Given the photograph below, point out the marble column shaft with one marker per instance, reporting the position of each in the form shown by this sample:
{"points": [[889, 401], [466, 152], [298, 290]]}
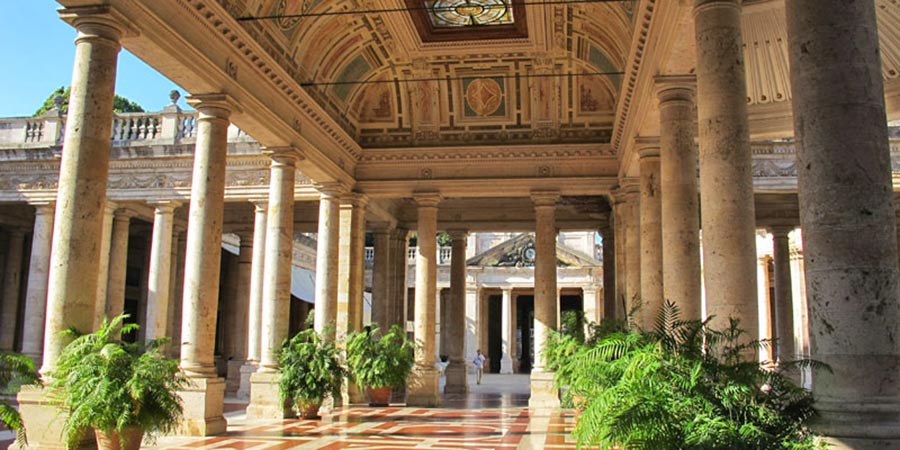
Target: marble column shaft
{"points": [[632, 253], [36, 288], [81, 194], [158, 286], [254, 315], [651, 235], [506, 332], [545, 295], [399, 276], [619, 234], [680, 201], [276, 304], [423, 386], [12, 283], [328, 238], [726, 188], [609, 271], [848, 220], [381, 277], [457, 381], [351, 268], [784, 301], [103, 281], [118, 263]]}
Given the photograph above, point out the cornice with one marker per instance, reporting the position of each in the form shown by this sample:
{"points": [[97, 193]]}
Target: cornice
{"points": [[518, 153]]}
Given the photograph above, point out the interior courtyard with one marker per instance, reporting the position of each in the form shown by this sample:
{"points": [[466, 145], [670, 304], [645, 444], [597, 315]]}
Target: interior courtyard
{"points": [[469, 170]]}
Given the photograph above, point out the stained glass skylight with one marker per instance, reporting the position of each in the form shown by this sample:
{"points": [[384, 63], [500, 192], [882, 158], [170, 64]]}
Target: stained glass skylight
{"points": [[462, 13]]}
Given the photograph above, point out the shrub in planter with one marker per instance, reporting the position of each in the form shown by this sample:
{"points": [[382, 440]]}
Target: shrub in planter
{"points": [[380, 362], [121, 390], [684, 386], [16, 370], [310, 370]]}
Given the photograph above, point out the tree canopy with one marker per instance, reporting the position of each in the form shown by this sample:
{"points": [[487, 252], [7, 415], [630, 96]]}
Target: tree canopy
{"points": [[120, 104]]}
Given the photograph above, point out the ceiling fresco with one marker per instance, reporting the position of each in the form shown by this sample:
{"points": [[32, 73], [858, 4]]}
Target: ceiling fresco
{"points": [[367, 64]]}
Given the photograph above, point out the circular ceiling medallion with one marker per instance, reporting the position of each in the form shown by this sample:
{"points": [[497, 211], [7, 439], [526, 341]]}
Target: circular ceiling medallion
{"points": [[484, 96]]}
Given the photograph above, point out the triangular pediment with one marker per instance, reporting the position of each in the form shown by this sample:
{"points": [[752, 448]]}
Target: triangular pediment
{"points": [[519, 252]]}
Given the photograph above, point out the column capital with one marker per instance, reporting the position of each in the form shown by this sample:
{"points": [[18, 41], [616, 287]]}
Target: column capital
{"points": [[705, 5], [213, 106], [427, 199], [43, 208], [647, 147], [286, 156], [260, 205], [458, 233], [544, 198], [163, 206], [331, 189], [97, 22], [780, 230], [675, 88], [355, 200], [629, 187]]}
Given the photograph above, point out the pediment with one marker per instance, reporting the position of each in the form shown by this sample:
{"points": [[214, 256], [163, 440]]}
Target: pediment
{"points": [[519, 252]]}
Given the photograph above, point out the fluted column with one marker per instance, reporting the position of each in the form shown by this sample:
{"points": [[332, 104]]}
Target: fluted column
{"points": [[784, 302], [118, 263], [255, 298], [103, 281], [423, 385], [351, 266], [726, 190], [506, 331], [651, 232], [204, 401], [36, 288], [609, 270], [12, 283], [457, 381], [631, 192], [381, 277], [848, 220], [158, 289], [680, 201], [543, 393], [327, 256], [276, 305]]}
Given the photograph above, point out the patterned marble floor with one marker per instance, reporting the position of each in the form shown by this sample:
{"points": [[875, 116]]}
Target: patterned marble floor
{"points": [[493, 416]]}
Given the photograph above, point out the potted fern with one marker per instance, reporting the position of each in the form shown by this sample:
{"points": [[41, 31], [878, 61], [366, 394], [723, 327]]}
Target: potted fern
{"points": [[380, 362], [121, 390], [310, 370], [15, 370]]}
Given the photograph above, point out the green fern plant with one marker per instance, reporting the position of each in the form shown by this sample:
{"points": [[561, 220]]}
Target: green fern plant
{"points": [[377, 360], [111, 385], [683, 385], [16, 370], [311, 368]]}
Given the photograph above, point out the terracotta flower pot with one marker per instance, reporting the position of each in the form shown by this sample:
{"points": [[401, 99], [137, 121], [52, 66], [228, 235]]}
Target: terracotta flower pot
{"points": [[309, 409], [113, 440], [380, 396]]}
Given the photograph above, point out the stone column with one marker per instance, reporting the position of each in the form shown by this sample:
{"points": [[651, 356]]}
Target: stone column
{"points": [[36, 288], [457, 381], [12, 282], [609, 270], [265, 403], [651, 232], [543, 393], [400, 268], [351, 266], [158, 298], [726, 191], [849, 226], [118, 263], [103, 277], [254, 313], [680, 204], [423, 383], [764, 308], [591, 307], [327, 257], [381, 278], [618, 202], [506, 331], [784, 302], [178, 295], [240, 313], [632, 228], [472, 317], [203, 401]]}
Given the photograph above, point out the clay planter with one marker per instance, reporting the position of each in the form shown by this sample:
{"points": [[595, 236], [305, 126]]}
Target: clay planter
{"points": [[309, 410], [380, 396], [113, 440]]}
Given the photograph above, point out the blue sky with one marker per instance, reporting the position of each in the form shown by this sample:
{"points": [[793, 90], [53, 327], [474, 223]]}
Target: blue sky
{"points": [[37, 51]]}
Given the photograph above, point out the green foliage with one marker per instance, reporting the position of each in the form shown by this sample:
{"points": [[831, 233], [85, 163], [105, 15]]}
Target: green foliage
{"points": [[107, 384], [681, 386], [120, 104], [380, 360], [15, 370], [310, 368]]}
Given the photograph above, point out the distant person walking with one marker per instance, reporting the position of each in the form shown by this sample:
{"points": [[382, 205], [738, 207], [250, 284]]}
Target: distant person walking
{"points": [[478, 361]]}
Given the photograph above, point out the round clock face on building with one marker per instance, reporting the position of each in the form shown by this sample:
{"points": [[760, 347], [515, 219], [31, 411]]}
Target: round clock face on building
{"points": [[529, 254]]}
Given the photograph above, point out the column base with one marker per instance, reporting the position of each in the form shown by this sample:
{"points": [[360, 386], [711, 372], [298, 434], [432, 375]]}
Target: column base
{"points": [[858, 426], [233, 376], [422, 389], [356, 394], [204, 401], [44, 421], [457, 378], [265, 400], [248, 369], [506, 365], [544, 393]]}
